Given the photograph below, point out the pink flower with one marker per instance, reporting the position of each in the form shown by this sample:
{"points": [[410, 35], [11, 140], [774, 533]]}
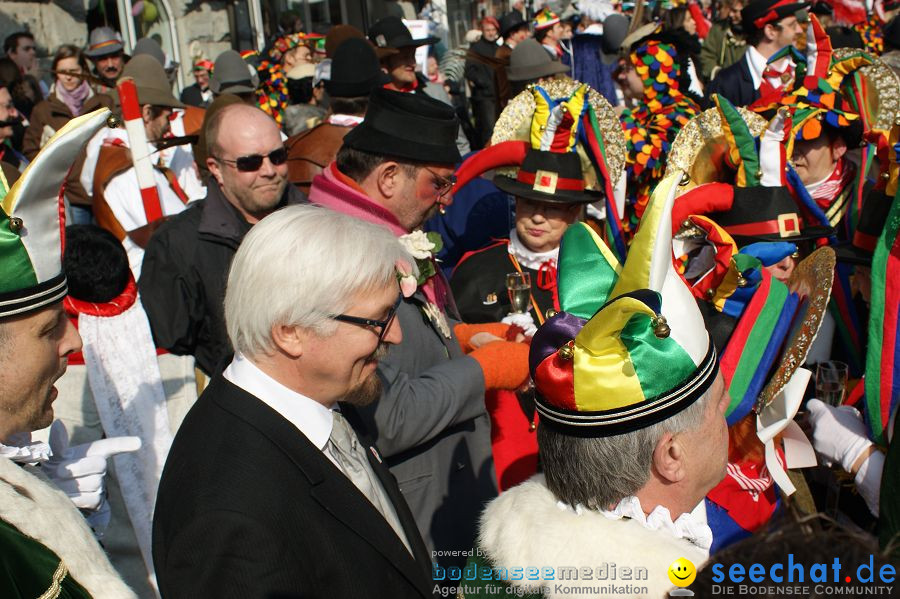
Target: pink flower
{"points": [[407, 281]]}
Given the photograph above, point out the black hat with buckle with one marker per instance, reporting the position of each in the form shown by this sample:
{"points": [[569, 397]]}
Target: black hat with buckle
{"points": [[749, 214], [553, 177]]}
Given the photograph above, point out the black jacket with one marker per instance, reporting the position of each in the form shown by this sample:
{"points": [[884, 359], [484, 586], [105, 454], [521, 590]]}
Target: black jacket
{"points": [[248, 507], [735, 83], [183, 277], [192, 95]]}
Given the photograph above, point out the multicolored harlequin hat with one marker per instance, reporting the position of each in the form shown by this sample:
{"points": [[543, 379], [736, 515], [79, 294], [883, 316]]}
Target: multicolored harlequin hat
{"points": [[545, 18], [629, 348], [32, 222], [549, 167], [750, 315]]}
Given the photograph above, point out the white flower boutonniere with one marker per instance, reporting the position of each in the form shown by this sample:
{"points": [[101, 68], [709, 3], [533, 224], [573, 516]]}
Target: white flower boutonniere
{"points": [[423, 246]]}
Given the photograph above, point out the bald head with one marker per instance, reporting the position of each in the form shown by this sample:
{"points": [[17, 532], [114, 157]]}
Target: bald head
{"points": [[241, 131]]}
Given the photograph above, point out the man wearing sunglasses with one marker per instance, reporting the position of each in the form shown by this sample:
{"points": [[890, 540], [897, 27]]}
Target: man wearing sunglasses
{"points": [[182, 282], [396, 169], [267, 490]]}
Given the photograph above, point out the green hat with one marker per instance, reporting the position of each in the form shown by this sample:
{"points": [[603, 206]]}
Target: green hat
{"points": [[31, 222]]}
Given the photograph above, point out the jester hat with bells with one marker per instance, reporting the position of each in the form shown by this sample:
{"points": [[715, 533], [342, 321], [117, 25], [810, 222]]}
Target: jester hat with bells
{"points": [[629, 348], [564, 142], [759, 205], [32, 222]]}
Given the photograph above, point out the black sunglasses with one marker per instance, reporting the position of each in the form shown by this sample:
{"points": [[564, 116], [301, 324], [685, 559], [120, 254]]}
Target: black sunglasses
{"points": [[252, 163], [383, 325]]}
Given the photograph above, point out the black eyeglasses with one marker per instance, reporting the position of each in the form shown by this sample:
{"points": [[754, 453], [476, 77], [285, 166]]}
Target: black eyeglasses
{"points": [[252, 163], [441, 184], [382, 325]]}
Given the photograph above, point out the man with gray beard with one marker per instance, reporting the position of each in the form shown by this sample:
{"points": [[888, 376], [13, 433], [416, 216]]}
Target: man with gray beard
{"points": [[182, 281], [267, 490]]}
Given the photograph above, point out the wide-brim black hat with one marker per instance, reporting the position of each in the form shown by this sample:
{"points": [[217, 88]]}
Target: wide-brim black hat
{"points": [[355, 71], [390, 32], [758, 13], [410, 126], [766, 214], [552, 177], [511, 21]]}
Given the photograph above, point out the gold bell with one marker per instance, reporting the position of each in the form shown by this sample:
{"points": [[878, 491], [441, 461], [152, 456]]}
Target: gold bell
{"points": [[686, 224], [685, 179], [550, 313], [710, 293], [796, 255], [567, 351], [112, 121], [741, 281], [532, 426], [15, 224], [660, 326], [758, 174], [885, 175]]}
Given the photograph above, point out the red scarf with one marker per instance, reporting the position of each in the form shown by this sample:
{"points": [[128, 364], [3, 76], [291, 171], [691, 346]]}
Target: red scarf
{"points": [[825, 193]]}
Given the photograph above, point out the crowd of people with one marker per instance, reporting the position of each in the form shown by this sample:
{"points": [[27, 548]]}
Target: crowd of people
{"points": [[615, 283]]}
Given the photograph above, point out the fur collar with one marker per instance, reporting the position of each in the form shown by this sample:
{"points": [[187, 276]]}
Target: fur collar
{"points": [[47, 515], [527, 526]]}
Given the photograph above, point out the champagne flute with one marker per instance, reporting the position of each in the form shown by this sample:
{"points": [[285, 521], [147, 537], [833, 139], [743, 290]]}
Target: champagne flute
{"points": [[518, 286], [831, 382]]}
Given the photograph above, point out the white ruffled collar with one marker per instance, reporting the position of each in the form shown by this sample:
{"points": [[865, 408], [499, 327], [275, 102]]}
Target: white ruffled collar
{"points": [[525, 257], [685, 527], [23, 451]]}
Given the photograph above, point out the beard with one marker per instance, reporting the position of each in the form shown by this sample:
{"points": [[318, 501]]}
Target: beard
{"points": [[370, 388]]}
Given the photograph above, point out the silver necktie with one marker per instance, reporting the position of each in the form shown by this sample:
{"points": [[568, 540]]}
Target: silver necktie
{"points": [[346, 450]]}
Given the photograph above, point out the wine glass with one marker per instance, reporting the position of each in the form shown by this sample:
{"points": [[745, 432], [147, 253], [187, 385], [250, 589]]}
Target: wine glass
{"points": [[831, 382], [518, 286]]}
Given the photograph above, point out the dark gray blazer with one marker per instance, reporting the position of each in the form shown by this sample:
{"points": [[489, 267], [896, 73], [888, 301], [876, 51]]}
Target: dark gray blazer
{"points": [[432, 426]]}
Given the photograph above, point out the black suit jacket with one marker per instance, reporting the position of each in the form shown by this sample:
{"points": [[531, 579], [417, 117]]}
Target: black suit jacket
{"points": [[735, 83], [248, 507]]}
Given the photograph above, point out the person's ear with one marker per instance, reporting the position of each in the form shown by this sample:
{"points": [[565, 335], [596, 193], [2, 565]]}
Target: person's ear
{"points": [[669, 458], [770, 32], [147, 113], [387, 178], [215, 169], [838, 149], [289, 339]]}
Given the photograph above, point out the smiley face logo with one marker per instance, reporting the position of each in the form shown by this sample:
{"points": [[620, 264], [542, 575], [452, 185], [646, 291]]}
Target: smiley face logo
{"points": [[682, 572]]}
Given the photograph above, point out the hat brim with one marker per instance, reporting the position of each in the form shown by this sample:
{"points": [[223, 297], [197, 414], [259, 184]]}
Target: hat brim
{"points": [[521, 190], [850, 254], [526, 72], [355, 89], [230, 88], [105, 51], [382, 144]]}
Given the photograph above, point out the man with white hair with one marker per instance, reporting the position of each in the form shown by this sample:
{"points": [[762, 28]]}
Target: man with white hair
{"points": [[632, 432], [267, 491]]}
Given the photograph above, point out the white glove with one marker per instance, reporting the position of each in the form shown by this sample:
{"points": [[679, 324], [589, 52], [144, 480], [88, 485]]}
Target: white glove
{"points": [[839, 434], [79, 470], [524, 320]]}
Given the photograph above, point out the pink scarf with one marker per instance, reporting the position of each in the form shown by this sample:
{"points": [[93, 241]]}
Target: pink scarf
{"points": [[74, 99]]}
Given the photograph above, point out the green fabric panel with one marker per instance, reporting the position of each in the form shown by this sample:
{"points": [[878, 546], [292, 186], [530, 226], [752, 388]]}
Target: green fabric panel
{"points": [[586, 277], [743, 139], [27, 568], [660, 364], [16, 271], [756, 343]]}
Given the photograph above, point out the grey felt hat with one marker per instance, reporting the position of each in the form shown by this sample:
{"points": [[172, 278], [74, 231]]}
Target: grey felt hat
{"points": [[529, 60], [232, 75], [103, 41]]}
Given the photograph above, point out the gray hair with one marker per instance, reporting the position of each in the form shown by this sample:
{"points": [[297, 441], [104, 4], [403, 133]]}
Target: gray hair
{"points": [[301, 265], [598, 472]]}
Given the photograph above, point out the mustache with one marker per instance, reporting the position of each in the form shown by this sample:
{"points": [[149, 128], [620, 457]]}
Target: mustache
{"points": [[10, 122]]}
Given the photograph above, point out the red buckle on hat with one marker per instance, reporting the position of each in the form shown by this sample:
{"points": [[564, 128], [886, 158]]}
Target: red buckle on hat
{"points": [[786, 225], [549, 182]]}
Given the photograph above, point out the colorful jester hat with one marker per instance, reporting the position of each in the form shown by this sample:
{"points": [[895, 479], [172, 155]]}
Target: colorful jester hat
{"points": [[816, 98], [759, 206], [31, 222], [545, 18], [629, 348], [549, 166]]}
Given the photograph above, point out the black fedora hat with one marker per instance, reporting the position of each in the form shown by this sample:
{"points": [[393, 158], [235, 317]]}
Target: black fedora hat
{"points": [[410, 126], [553, 177], [511, 21], [758, 13], [354, 70], [390, 32], [872, 218]]}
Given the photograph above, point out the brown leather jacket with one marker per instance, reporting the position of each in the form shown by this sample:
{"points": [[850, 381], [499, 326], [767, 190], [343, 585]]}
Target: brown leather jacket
{"points": [[54, 113], [311, 151]]}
